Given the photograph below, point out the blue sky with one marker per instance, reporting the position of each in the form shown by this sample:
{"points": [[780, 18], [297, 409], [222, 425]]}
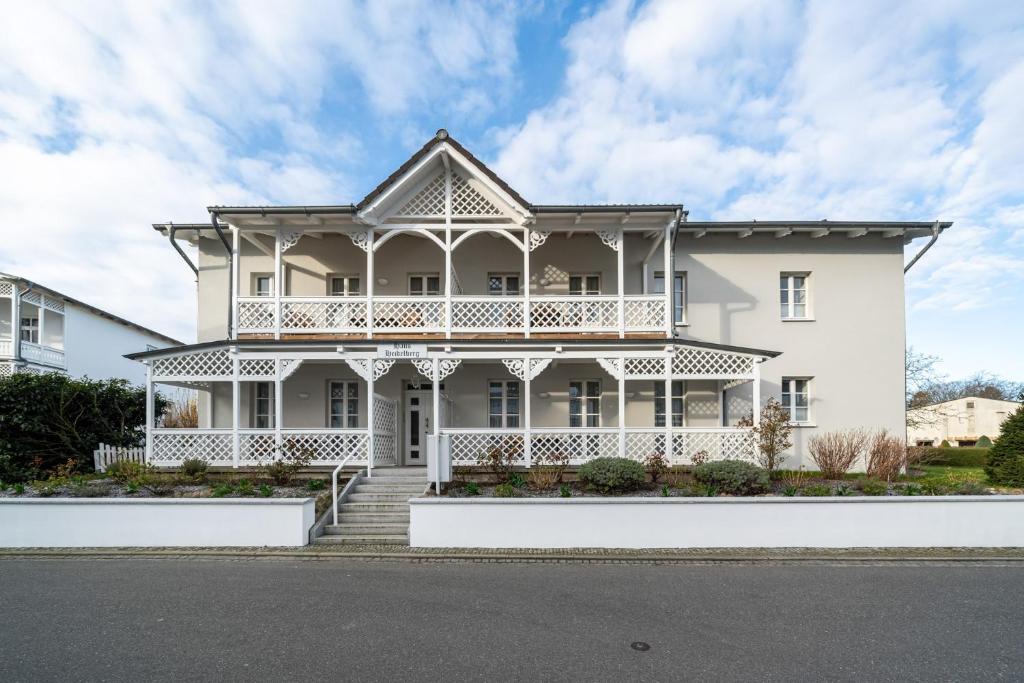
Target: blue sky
{"points": [[114, 116]]}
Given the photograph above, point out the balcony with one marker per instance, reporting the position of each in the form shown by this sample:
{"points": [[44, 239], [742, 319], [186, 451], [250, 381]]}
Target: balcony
{"points": [[515, 315], [44, 355]]}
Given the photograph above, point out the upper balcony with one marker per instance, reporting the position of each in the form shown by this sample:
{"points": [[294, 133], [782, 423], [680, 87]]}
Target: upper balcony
{"points": [[31, 327]]}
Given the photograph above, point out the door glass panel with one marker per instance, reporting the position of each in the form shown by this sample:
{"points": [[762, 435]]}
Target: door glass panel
{"points": [[414, 427]]}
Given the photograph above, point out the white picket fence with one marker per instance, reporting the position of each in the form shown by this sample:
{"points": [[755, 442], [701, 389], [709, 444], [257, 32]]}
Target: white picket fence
{"points": [[106, 455]]}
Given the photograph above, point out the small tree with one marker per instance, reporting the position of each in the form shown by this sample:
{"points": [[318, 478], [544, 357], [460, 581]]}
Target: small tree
{"points": [[984, 442], [772, 437], [1006, 458]]}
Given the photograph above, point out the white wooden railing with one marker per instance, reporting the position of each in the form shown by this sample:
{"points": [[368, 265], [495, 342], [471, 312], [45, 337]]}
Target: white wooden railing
{"points": [[497, 314], [47, 355]]}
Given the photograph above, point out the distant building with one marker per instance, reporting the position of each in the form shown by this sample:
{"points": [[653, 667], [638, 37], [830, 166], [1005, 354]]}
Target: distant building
{"points": [[961, 422], [42, 330]]}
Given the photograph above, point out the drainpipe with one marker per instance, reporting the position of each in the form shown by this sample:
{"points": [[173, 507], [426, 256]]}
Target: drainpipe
{"points": [[670, 277], [934, 237], [231, 282], [171, 229]]}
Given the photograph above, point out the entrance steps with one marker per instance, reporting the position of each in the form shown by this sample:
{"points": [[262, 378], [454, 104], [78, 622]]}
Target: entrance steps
{"points": [[376, 512]]}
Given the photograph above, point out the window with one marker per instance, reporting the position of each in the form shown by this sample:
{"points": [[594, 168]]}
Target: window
{"points": [[263, 405], [793, 296], [503, 404], [30, 329], [425, 284], [581, 284], [503, 284], [343, 408], [970, 405], [677, 403], [343, 285], [678, 294], [263, 285], [796, 399], [585, 403]]}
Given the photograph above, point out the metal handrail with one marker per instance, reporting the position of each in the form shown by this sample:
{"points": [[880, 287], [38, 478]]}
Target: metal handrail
{"points": [[334, 484]]}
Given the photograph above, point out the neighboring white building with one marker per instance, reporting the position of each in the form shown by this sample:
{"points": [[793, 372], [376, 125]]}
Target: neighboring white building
{"points": [[961, 422], [42, 330], [476, 320]]}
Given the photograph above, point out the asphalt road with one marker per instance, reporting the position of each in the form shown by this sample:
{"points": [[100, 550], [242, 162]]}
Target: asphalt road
{"points": [[272, 620]]}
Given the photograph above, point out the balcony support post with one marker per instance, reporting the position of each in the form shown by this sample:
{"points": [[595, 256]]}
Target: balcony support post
{"points": [[149, 412], [526, 290], [370, 414], [278, 284], [369, 283], [447, 250], [16, 323], [236, 409], [527, 435], [278, 408], [756, 392], [668, 407], [436, 419], [670, 286], [622, 408], [620, 265], [42, 324], [235, 279]]}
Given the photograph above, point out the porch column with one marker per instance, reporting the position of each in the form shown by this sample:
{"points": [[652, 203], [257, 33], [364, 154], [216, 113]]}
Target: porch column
{"points": [[620, 254], [668, 407], [16, 322], [278, 284], [278, 408], [622, 408], [527, 436], [149, 412], [236, 410], [526, 290], [436, 436], [670, 285], [756, 391], [370, 416], [236, 284], [447, 252], [369, 283], [42, 319]]}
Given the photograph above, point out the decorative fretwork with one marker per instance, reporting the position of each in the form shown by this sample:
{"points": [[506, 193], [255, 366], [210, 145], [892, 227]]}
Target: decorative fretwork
{"points": [[610, 238], [171, 446], [446, 366], [644, 313], [711, 363], [290, 239], [332, 315], [361, 238], [613, 366], [361, 366], [6, 289], [538, 237], [409, 314], [495, 313], [538, 365], [261, 368], [288, 367], [470, 447], [427, 202], [467, 200], [517, 366], [32, 297], [203, 364], [574, 314], [645, 368], [256, 315]]}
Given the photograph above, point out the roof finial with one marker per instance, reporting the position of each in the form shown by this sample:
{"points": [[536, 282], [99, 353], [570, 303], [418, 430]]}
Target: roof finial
{"points": [[441, 134]]}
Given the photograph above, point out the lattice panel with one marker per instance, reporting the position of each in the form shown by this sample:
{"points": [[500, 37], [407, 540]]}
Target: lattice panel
{"points": [[6, 369], [330, 447], [54, 304], [735, 444], [171, 447], [467, 201], [427, 202], [645, 314], [581, 446], [495, 313], [256, 315], [6, 289], [469, 448], [409, 314], [693, 361], [201, 364], [256, 447], [639, 445], [579, 313], [263, 367], [32, 298], [645, 368], [385, 431], [340, 313]]}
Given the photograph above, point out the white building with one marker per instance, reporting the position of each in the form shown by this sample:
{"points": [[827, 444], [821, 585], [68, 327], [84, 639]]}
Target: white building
{"points": [[42, 330], [476, 320], [961, 422]]}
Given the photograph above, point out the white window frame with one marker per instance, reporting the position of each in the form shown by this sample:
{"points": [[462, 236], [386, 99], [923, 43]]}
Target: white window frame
{"points": [[788, 399], [787, 307], [269, 400], [505, 291], [678, 392], [426, 291], [32, 328], [349, 419], [678, 293], [256, 277], [346, 289], [584, 289], [505, 416], [583, 399]]}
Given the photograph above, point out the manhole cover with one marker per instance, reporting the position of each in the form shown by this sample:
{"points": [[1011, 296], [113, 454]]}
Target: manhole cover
{"points": [[640, 646]]}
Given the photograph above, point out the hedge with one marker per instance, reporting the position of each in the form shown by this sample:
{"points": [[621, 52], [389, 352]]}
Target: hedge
{"points": [[955, 457]]}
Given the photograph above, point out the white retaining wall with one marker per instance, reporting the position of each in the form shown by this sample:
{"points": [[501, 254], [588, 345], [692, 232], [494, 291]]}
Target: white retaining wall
{"points": [[154, 522], [901, 522]]}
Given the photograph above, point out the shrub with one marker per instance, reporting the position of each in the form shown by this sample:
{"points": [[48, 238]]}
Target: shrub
{"points": [[733, 477], [506, 490], [500, 460], [542, 478], [45, 419], [472, 488], [886, 456], [835, 452], [19, 489], [564, 491], [221, 490], [944, 444], [1006, 458], [983, 442], [656, 465], [245, 488], [315, 485], [517, 480], [282, 469], [124, 471], [818, 490], [50, 487], [971, 488], [193, 469], [700, 457], [789, 490], [910, 490], [772, 436], [266, 491], [873, 487], [612, 475]]}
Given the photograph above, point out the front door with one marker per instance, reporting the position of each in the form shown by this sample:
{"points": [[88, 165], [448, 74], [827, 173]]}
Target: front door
{"points": [[419, 415]]}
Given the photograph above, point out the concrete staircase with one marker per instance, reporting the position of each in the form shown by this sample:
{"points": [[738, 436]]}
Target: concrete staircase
{"points": [[376, 512]]}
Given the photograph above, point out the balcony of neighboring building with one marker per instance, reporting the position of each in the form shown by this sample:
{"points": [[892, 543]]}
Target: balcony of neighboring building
{"points": [[32, 328]]}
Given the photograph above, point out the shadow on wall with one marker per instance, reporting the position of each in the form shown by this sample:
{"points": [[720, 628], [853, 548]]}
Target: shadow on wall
{"points": [[706, 286]]}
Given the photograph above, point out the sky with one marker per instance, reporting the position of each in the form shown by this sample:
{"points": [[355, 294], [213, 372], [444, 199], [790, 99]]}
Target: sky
{"points": [[114, 116]]}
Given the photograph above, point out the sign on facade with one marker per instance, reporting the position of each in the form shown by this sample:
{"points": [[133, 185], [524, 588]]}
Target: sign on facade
{"points": [[402, 351]]}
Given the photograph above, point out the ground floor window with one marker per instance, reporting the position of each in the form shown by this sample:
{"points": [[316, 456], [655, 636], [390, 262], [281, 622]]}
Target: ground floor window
{"points": [[796, 398], [263, 405], [678, 391], [585, 403], [503, 404], [343, 408]]}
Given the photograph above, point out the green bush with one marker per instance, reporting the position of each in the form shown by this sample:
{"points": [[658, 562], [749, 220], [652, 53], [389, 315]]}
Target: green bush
{"points": [[984, 442], [953, 457], [46, 419], [944, 444], [612, 475], [564, 491], [266, 491], [316, 484], [506, 490], [816, 490], [472, 488], [193, 469], [1006, 458], [874, 487], [733, 477]]}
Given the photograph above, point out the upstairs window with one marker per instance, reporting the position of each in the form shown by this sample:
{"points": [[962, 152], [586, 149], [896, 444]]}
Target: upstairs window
{"points": [[678, 294], [503, 284], [425, 284], [796, 398], [584, 284], [344, 285], [677, 403], [30, 329], [263, 285], [793, 297]]}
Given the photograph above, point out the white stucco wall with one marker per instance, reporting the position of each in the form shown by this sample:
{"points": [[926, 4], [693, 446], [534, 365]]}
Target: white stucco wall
{"points": [[95, 346]]}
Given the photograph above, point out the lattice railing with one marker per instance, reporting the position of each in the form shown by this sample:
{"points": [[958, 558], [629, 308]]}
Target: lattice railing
{"points": [[171, 446], [327, 314], [469, 446], [6, 369], [385, 431], [256, 314], [409, 314], [574, 313], [726, 443], [641, 443], [645, 313], [581, 445], [200, 365], [692, 361], [487, 314]]}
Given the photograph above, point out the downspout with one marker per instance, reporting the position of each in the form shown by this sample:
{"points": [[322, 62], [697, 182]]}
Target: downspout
{"points": [[670, 277], [231, 283], [935, 236], [171, 229]]}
